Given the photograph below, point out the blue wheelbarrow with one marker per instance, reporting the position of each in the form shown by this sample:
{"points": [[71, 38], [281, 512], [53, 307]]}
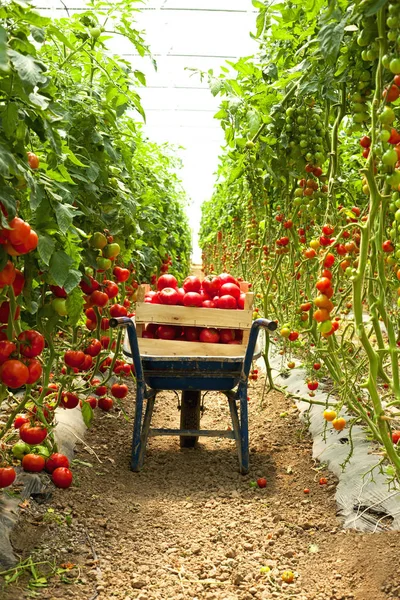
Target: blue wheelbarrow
{"points": [[191, 375]]}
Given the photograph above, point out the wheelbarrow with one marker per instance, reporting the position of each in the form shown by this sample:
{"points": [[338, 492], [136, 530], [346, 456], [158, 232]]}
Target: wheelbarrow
{"points": [[191, 368]]}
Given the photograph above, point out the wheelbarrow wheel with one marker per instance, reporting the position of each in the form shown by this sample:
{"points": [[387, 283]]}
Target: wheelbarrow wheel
{"points": [[190, 416]]}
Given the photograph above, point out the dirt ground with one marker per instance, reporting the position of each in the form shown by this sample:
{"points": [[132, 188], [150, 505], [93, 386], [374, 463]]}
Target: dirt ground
{"points": [[189, 526]]}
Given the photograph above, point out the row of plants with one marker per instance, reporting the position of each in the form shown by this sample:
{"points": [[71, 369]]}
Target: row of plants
{"points": [[89, 209], [307, 203]]}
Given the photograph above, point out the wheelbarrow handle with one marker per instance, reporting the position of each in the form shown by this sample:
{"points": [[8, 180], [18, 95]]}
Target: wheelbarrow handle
{"points": [[248, 359], [133, 342]]}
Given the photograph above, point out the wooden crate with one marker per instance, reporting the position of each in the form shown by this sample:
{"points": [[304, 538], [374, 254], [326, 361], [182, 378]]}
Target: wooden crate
{"points": [[191, 317]]}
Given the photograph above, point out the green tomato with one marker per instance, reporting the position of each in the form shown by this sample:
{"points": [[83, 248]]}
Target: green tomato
{"points": [[395, 66], [392, 22], [98, 240], [398, 302], [389, 158], [386, 61], [325, 327], [60, 306], [95, 32], [111, 250], [387, 116], [360, 117], [20, 449], [43, 451], [103, 264], [384, 135]]}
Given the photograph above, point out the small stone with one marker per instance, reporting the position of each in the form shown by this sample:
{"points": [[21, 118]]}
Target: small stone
{"points": [[231, 553], [138, 584], [288, 554], [247, 546]]}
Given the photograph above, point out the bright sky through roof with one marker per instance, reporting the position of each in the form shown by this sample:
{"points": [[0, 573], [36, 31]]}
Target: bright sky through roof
{"points": [[179, 108]]}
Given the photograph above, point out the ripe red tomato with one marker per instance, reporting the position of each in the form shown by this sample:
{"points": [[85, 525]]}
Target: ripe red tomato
{"points": [[192, 334], [191, 284], [226, 336], [33, 160], [92, 400], [395, 436], [208, 303], [5, 312], [121, 274], [192, 299], [18, 283], [87, 363], [33, 463], [30, 243], [62, 477], [312, 385], [6, 349], [32, 434], [391, 93], [94, 348], [293, 336], [117, 310], [317, 366], [89, 285], [74, 358], [166, 281], [310, 253], [69, 400], [7, 274], [19, 232], [166, 332], [209, 336], [55, 461], [226, 278], [58, 291], [240, 301], [99, 298], [262, 482], [7, 476], [323, 481], [14, 374], [119, 390], [31, 343], [105, 403], [226, 302], [211, 285], [20, 420], [365, 141], [329, 260], [169, 296], [230, 289], [35, 370], [387, 246], [323, 284], [101, 390], [110, 288]]}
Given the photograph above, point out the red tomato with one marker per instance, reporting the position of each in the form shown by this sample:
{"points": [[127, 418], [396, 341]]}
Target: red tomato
{"points": [[341, 249], [31, 343], [317, 366], [391, 93], [166, 281], [395, 436], [192, 299], [7, 476], [33, 160], [310, 253], [87, 363], [329, 260], [99, 298], [312, 385], [92, 400], [166, 332], [226, 278], [209, 336], [105, 404], [226, 302], [323, 481], [394, 137], [240, 301], [33, 463], [117, 310], [6, 349], [35, 370], [18, 283], [101, 390], [211, 285], [226, 336], [20, 420], [208, 304], [62, 477], [5, 311], [230, 289], [89, 285], [323, 284], [55, 461], [262, 482], [74, 358], [20, 231], [14, 374], [192, 333], [191, 284], [58, 291], [119, 390], [29, 244], [7, 275], [387, 246], [69, 400], [121, 274], [293, 335], [32, 434], [169, 296], [94, 348], [111, 288]]}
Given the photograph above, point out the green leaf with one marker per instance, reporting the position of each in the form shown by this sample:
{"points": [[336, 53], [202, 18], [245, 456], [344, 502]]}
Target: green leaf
{"points": [[75, 304], [10, 119], [67, 150], [37, 195], [7, 162], [140, 77], [87, 414], [39, 100], [330, 37], [8, 200], [46, 247], [236, 173], [375, 7], [38, 34], [59, 267], [73, 279], [93, 171], [64, 216], [3, 257], [52, 30], [30, 71], [4, 64]]}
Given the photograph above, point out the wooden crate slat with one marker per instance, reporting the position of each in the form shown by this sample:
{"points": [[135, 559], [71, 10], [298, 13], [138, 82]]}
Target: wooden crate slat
{"points": [[150, 347], [195, 317]]}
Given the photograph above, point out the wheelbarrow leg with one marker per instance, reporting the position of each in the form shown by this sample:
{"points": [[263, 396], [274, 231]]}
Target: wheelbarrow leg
{"points": [[244, 429], [145, 428], [137, 429], [236, 427]]}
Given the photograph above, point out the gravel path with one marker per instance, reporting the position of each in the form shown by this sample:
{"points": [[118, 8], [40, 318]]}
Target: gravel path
{"points": [[189, 527]]}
